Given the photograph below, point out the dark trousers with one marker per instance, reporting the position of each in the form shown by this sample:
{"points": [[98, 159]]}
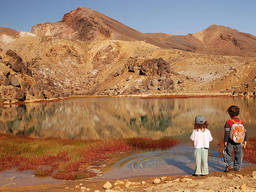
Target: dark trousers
{"points": [[238, 158]]}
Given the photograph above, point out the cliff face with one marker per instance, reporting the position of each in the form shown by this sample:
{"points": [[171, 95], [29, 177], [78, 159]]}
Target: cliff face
{"points": [[88, 53]]}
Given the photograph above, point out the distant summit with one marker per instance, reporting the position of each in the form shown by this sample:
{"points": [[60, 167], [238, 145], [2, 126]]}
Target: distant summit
{"points": [[85, 24]]}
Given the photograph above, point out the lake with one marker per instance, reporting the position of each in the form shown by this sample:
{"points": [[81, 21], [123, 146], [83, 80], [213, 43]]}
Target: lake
{"points": [[120, 117], [101, 118]]}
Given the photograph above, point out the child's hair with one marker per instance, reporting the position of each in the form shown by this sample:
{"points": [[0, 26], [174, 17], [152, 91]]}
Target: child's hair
{"points": [[201, 126], [233, 111]]}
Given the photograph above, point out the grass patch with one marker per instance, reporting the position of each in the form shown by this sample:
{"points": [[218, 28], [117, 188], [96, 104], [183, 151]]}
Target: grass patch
{"points": [[67, 159]]}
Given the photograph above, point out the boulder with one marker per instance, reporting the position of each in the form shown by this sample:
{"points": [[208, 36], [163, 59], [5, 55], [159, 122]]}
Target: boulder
{"points": [[157, 181], [20, 95], [131, 63], [152, 67], [17, 67], [14, 56], [107, 185], [14, 81], [6, 73], [254, 174]]}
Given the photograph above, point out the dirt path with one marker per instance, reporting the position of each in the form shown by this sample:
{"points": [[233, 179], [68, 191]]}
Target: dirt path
{"points": [[245, 180]]}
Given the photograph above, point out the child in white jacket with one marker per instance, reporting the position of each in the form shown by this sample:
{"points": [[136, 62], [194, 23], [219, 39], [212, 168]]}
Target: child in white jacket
{"points": [[201, 136]]}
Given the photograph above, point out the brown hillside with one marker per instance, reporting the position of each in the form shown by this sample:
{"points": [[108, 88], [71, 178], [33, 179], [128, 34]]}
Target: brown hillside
{"points": [[81, 55], [88, 25], [226, 41]]}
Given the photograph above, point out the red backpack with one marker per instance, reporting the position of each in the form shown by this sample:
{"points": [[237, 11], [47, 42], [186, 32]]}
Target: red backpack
{"points": [[237, 131]]}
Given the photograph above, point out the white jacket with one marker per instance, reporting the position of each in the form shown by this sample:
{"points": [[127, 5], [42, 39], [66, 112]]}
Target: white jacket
{"points": [[201, 138]]}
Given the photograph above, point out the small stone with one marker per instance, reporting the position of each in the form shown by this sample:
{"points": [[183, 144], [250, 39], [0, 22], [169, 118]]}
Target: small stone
{"points": [[107, 185], [83, 188], [81, 184], [143, 182], [127, 184], [185, 179], [254, 174], [243, 187], [163, 178], [119, 182], [96, 190], [180, 81], [176, 180], [12, 178], [157, 181], [229, 175], [240, 176]]}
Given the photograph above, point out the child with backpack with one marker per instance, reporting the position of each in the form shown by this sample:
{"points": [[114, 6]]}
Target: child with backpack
{"points": [[235, 138], [201, 136]]}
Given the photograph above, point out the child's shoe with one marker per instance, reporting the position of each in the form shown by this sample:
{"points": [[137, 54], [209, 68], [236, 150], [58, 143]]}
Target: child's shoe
{"points": [[228, 168]]}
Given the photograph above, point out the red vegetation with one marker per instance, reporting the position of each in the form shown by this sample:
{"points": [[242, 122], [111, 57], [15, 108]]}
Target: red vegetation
{"points": [[148, 143], [250, 151], [72, 158]]}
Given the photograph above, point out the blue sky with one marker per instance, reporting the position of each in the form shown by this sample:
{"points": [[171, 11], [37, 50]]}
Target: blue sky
{"points": [[167, 16]]}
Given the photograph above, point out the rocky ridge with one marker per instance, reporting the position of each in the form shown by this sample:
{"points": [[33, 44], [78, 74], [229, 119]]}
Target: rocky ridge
{"points": [[88, 53]]}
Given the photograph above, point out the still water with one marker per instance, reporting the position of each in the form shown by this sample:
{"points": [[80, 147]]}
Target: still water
{"points": [[106, 118], [101, 118]]}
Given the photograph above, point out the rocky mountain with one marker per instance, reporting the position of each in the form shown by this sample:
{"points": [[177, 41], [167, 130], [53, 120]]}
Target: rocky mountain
{"points": [[88, 53], [88, 25]]}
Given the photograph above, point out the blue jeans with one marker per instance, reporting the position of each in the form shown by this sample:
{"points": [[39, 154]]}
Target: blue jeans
{"points": [[238, 149], [201, 161]]}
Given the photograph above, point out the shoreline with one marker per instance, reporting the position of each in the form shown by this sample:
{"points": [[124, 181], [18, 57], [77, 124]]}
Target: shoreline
{"points": [[143, 96], [245, 180]]}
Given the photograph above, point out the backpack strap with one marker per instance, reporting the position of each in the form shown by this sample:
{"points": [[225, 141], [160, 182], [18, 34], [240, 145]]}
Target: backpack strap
{"points": [[236, 121]]}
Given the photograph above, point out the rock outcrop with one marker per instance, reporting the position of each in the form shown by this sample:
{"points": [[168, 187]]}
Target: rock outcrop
{"points": [[88, 53], [88, 25]]}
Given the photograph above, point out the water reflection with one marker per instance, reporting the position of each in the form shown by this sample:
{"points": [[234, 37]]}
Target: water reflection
{"points": [[98, 118], [178, 160]]}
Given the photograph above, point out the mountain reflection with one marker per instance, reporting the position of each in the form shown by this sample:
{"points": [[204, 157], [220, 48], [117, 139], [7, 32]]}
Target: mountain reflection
{"points": [[100, 118]]}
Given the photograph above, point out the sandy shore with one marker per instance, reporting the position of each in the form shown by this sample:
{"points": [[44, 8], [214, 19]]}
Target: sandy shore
{"points": [[245, 180]]}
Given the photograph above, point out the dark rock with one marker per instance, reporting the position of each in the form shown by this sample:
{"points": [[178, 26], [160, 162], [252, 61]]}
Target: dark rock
{"points": [[154, 67], [26, 85], [7, 82], [245, 93], [131, 63], [14, 55], [31, 91], [8, 64], [6, 73], [166, 84], [180, 81], [14, 81], [20, 95], [254, 93], [17, 67]]}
